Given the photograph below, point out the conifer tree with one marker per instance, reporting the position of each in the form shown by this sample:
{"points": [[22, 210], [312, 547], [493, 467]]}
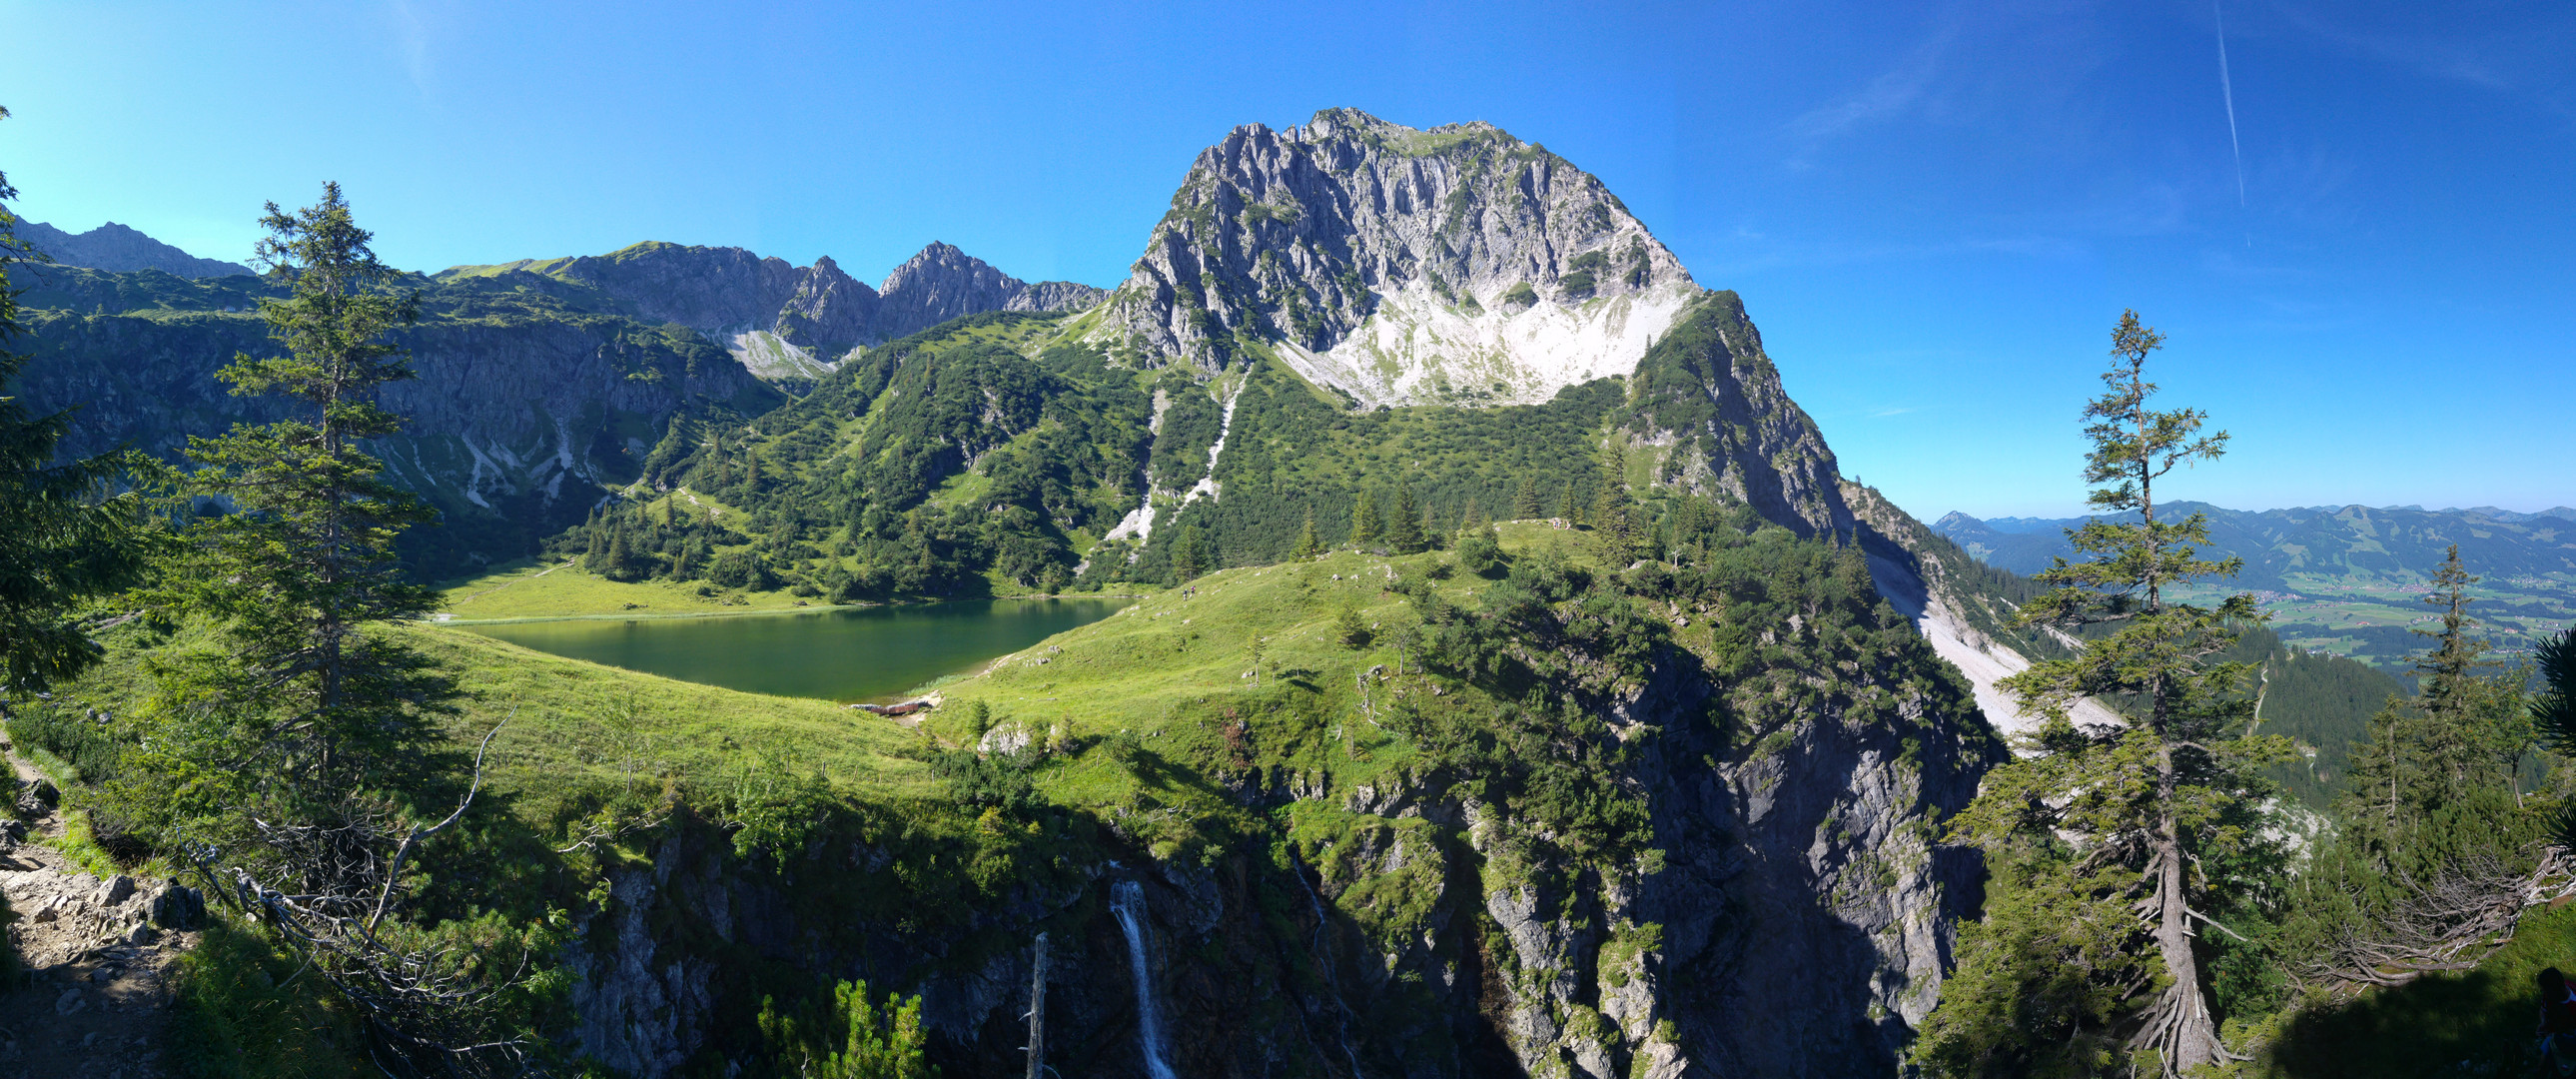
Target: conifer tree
{"points": [[1569, 508], [1526, 504], [1365, 526], [299, 764], [1308, 543], [63, 542], [305, 566], [1189, 557], [1480, 551], [1472, 517], [2102, 840], [1404, 533], [2461, 739], [621, 561]]}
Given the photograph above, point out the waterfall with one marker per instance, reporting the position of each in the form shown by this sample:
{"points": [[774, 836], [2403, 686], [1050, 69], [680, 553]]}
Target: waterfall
{"points": [[1127, 901]]}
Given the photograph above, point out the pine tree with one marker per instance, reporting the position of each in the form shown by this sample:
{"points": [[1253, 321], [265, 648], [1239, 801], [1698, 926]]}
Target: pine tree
{"points": [[62, 541], [1365, 526], [1308, 543], [1471, 517], [1526, 504], [2102, 839], [1404, 533], [1569, 508]]}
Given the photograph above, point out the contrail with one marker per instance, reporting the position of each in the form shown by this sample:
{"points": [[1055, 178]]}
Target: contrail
{"points": [[2227, 89]]}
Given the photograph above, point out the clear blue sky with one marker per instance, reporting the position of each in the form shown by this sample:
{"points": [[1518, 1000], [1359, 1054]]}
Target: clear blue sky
{"points": [[1934, 211]]}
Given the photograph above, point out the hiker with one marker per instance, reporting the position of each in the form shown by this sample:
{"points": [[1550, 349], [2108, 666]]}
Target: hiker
{"points": [[2557, 1030]]}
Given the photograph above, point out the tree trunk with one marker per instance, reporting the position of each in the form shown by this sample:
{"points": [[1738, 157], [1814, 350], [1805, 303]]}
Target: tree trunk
{"points": [[2180, 1025]]}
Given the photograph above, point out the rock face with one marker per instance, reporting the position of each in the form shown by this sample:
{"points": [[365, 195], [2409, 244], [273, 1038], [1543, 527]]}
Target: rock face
{"points": [[1707, 402], [115, 247], [786, 322], [522, 412], [1454, 265]]}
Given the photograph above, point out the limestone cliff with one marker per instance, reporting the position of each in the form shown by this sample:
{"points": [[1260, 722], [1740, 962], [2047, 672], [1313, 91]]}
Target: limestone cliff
{"points": [[523, 413], [1453, 265]]}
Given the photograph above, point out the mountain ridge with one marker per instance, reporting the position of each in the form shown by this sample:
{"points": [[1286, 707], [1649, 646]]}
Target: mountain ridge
{"points": [[787, 323], [121, 248]]}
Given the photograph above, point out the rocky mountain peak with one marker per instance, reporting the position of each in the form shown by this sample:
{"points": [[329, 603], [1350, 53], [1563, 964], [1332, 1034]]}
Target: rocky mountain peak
{"points": [[1400, 265], [791, 323], [121, 249], [943, 282]]}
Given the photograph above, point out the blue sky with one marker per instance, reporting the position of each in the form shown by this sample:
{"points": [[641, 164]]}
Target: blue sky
{"points": [[1934, 211]]}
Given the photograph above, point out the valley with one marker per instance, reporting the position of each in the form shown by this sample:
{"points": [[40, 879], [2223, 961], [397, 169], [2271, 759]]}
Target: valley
{"points": [[2352, 580]]}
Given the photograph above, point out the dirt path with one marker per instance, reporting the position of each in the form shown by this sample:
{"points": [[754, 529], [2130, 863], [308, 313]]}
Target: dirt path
{"points": [[94, 995]]}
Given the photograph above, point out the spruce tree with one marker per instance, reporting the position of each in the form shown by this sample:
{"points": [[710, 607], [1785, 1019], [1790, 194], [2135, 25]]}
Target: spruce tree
{"points": [[621, 561], [63, 540], [303, 570], [1189, 558], [1365, 526], [1404, 534], [2459, 741], [2103, 839], [1569, 508], [1526, 504], [1308, 543], [1480, 551], [1472, 517]]}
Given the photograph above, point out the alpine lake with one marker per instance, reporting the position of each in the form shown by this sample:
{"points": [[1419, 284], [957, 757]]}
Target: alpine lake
{"points": [[845, 654]]}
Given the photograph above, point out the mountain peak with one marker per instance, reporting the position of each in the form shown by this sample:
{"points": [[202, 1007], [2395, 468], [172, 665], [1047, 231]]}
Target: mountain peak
{"points": [[118, 248], [1401, 265]]}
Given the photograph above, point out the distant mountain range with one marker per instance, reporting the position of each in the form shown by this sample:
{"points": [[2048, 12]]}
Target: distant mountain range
{"points": [[2351, 579], [2334, 541], [115, 247]]}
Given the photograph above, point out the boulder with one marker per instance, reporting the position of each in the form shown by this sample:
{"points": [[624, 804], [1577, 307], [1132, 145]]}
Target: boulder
{"points": [[177, 906]]}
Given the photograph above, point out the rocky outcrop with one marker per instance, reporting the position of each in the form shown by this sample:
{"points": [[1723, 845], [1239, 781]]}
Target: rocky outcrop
{"points": [[115, 247], [1457, 264], [1707, 403]]}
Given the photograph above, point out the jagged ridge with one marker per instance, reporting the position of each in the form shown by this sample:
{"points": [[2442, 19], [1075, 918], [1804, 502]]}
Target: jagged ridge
{"points": [[787, 322]]}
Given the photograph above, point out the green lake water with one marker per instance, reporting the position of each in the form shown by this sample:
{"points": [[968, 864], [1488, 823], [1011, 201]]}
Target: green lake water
{"points": [[858, 654]]}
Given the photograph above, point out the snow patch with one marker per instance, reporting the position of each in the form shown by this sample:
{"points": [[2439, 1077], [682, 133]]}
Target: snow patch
{"points": [[1415, 344], [1207, 484]]}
